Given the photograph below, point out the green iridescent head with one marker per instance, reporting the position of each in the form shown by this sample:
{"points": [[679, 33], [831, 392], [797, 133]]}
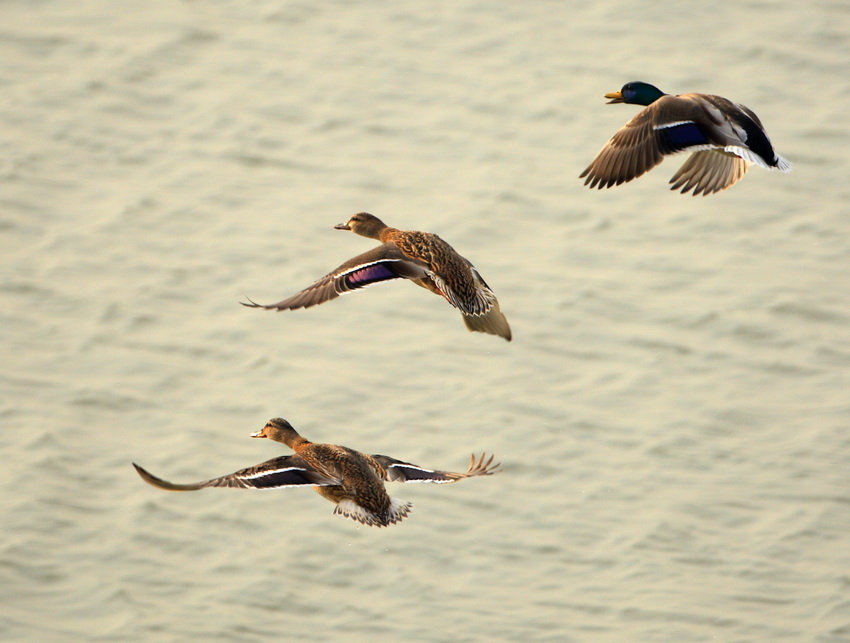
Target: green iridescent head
{"points": [[636, 93]]}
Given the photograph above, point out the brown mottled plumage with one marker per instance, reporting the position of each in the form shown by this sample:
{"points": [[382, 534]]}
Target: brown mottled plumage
{"points": [[421, 257], [352, 480]]}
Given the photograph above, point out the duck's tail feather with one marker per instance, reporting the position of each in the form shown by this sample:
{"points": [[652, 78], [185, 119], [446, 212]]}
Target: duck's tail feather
{"points": [[493, 322], [397, 511]]}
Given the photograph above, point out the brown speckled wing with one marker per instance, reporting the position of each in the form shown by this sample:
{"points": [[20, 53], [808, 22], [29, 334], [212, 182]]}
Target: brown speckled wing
{"points": [[384, 263], [398, 471], [284, 471]]}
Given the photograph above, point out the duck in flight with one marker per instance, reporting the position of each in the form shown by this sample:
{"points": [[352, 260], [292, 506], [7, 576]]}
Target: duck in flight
{"points": [[423, 258], [353, 481], [724, 138]]}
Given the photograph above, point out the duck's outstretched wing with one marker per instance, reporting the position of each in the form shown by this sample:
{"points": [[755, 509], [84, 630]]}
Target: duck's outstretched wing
{"points": [[398, 471], [709, 171], [284, 471], [631, 152], [384, 263]]}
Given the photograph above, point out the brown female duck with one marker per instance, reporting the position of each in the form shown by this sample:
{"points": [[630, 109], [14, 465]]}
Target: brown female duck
{"points": [[422, 257], [353, 481]]}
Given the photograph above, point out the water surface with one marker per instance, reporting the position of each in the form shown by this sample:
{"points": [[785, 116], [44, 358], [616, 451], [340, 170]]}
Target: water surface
{"points": [[672, 415]]}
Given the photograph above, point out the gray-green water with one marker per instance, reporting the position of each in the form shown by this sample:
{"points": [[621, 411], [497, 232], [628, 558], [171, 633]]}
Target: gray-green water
{"points": [[672, 415]]}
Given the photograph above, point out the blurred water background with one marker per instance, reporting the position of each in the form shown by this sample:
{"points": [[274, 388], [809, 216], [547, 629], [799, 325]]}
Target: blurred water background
{"points": [[672, 415]]}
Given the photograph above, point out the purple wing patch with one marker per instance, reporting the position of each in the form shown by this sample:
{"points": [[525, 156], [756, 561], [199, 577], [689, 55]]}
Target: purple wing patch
{"points": [[681, 136], [368, 275]]}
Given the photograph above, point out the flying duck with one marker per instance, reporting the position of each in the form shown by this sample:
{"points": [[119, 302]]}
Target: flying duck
{"points": [[422, 257], [353, 481], [724, 138]]}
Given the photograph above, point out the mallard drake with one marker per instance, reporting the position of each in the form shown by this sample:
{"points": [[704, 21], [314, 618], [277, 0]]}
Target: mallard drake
{"points": [[724, 138], [353, 481], [422, 257]]}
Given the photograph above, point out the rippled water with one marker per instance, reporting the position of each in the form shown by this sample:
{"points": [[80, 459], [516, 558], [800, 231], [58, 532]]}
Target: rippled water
{"points": [[672, 415]]}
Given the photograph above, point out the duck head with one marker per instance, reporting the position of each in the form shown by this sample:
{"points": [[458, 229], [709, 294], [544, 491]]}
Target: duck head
{"points": [[364, 224], [279, 430], [635, 93]]}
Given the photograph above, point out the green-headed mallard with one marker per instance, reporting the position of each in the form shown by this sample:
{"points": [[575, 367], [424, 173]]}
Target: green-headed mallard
{"points": [[421, 257], [724, 139], [353, 481]]}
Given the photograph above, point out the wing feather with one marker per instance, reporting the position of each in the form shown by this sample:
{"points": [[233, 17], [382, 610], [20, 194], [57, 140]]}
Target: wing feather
{"points": [[399, 471], [284, 471], [708, 171], [383, 263]]}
